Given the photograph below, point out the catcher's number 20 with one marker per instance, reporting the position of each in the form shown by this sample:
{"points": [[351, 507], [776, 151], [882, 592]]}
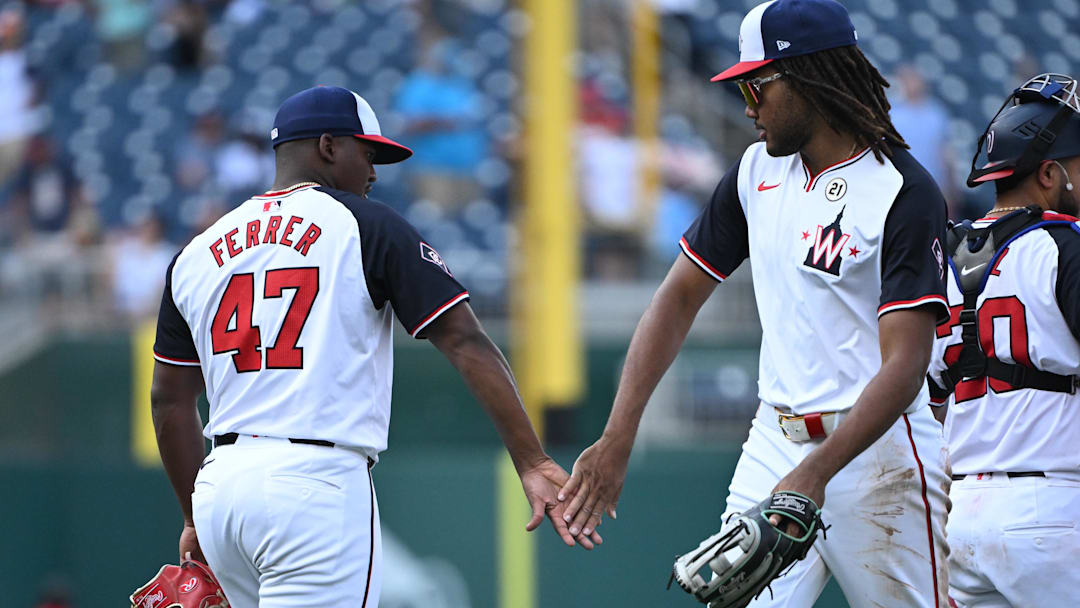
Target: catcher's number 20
{"points": [[234, 332]]}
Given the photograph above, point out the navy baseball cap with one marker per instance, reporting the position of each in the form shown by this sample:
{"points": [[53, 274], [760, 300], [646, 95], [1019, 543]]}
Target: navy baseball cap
{"points": [[789, 28], [336, 111]]}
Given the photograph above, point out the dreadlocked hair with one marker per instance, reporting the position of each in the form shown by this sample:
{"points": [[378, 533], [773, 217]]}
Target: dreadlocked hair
{"points": [[849, 93]]}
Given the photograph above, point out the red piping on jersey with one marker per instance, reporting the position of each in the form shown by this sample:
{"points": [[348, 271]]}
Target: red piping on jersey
{"points": [[438, 311], [280, 193], [175, 360], [926, 503], [371, 539], [716, 274], [836, 165], [889, 306], [1046, 214], [1054, 215]]}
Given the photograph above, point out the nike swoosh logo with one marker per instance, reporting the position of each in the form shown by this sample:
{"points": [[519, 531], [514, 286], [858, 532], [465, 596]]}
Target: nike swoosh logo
{"points": [[762, 187], [966, 271]]}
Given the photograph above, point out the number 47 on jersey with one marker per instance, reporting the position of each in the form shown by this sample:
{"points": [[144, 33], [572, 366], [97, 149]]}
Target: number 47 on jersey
{"points": [[242, 338]]}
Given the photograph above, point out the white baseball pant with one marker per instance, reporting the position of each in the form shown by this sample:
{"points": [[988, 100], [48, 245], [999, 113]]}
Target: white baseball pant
{"points": [[286, 525], [886, 508], [1015, 541]]}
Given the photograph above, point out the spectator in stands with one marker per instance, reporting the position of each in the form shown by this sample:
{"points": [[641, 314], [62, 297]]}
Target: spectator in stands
{"points": [[194, 154], [44, 190], [689, 170], [17, 95], [243, 164], [122, 24], [609, 180], [137, 269], [443, 125], [188, 20], [52, 227], [923, 122]]}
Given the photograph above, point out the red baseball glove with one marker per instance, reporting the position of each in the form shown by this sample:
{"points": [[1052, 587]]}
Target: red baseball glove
{"points": [[189, 585]]}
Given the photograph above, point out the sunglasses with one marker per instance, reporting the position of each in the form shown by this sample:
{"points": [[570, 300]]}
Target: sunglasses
{"points": [[751, 88]]}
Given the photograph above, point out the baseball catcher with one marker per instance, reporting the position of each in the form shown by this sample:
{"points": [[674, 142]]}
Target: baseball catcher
{"points": [[750, 551], [189, 585]]}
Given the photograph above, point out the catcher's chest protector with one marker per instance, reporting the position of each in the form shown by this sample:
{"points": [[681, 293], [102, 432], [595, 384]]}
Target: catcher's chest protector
{"points": [[975, 252]]}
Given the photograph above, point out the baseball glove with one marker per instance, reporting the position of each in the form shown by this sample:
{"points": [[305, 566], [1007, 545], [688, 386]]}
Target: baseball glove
{"points": [[749, 552], [189, 585]]}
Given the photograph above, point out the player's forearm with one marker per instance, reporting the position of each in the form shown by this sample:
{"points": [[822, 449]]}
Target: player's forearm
{"points": [[180, 442], [879, 406], [906, 342], [489, 378]]}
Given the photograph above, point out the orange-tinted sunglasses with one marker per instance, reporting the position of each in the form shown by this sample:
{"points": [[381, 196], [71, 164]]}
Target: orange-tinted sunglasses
{"points": [[751, 88]]}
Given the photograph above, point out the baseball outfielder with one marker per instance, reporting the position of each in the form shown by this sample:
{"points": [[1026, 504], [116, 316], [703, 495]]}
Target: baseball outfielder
{"points": [[1005, 364], [845, 230], [283, 310]]}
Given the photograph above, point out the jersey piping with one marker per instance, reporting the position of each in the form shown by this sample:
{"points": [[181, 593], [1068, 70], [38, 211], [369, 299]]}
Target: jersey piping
{"points": [[837, 165], [697, 259], [438, 312], [891, 306]]}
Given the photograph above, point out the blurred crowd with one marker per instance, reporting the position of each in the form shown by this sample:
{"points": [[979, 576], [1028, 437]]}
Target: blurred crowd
{"points": [[65, 236]]}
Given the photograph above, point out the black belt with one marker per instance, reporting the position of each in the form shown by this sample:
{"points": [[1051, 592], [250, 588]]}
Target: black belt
{"points": [[230, 438], [1011, 474]]}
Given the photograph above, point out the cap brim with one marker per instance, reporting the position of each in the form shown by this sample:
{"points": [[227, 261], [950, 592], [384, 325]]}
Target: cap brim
{"points": [[995, 175], [739, 69], [387, 151]]}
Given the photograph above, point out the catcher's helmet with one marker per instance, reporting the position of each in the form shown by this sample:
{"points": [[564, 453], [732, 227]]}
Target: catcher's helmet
{"points": [[1039, 121]]}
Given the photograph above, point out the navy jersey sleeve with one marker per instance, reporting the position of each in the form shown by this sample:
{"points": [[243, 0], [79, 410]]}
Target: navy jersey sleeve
{"points": [[1068, 279], [717, 241], [401, 267], [173, 343], [913, 269]]}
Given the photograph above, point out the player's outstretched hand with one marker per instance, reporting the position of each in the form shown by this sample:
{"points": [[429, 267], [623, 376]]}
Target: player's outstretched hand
{"points": [[541, 484], [595, 485]]}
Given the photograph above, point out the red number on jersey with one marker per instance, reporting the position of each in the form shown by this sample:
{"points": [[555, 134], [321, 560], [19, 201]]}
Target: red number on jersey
{"points": [[284, 354], [243, 338], [1010, 308]]}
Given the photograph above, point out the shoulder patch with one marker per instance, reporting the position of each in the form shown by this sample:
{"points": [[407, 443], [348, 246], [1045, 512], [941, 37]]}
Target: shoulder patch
{"points": [[428, 253], [939, 256]]}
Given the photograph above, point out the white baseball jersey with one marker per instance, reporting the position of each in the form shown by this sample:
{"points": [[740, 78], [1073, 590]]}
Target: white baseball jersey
{"points": [[832, 253], [283, 303], [1028, 314]]}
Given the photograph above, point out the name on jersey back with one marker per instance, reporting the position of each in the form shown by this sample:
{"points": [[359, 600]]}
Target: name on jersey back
{"points": [[233, 244]]}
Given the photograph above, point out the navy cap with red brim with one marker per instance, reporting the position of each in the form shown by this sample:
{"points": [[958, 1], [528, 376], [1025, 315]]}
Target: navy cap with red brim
{"points": [[789, 28], [387, 151], [338, 112], [743, 67]]}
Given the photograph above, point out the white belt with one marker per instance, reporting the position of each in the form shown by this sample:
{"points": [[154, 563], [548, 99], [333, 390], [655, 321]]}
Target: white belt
{"points": [[805, 427]]}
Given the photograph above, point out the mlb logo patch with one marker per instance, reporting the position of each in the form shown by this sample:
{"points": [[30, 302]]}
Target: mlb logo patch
{"points": [[428, 253], [268, 205]]}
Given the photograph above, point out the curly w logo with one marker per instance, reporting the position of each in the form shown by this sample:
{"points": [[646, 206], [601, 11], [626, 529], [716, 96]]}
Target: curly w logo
{"points": [[829, 241]]}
